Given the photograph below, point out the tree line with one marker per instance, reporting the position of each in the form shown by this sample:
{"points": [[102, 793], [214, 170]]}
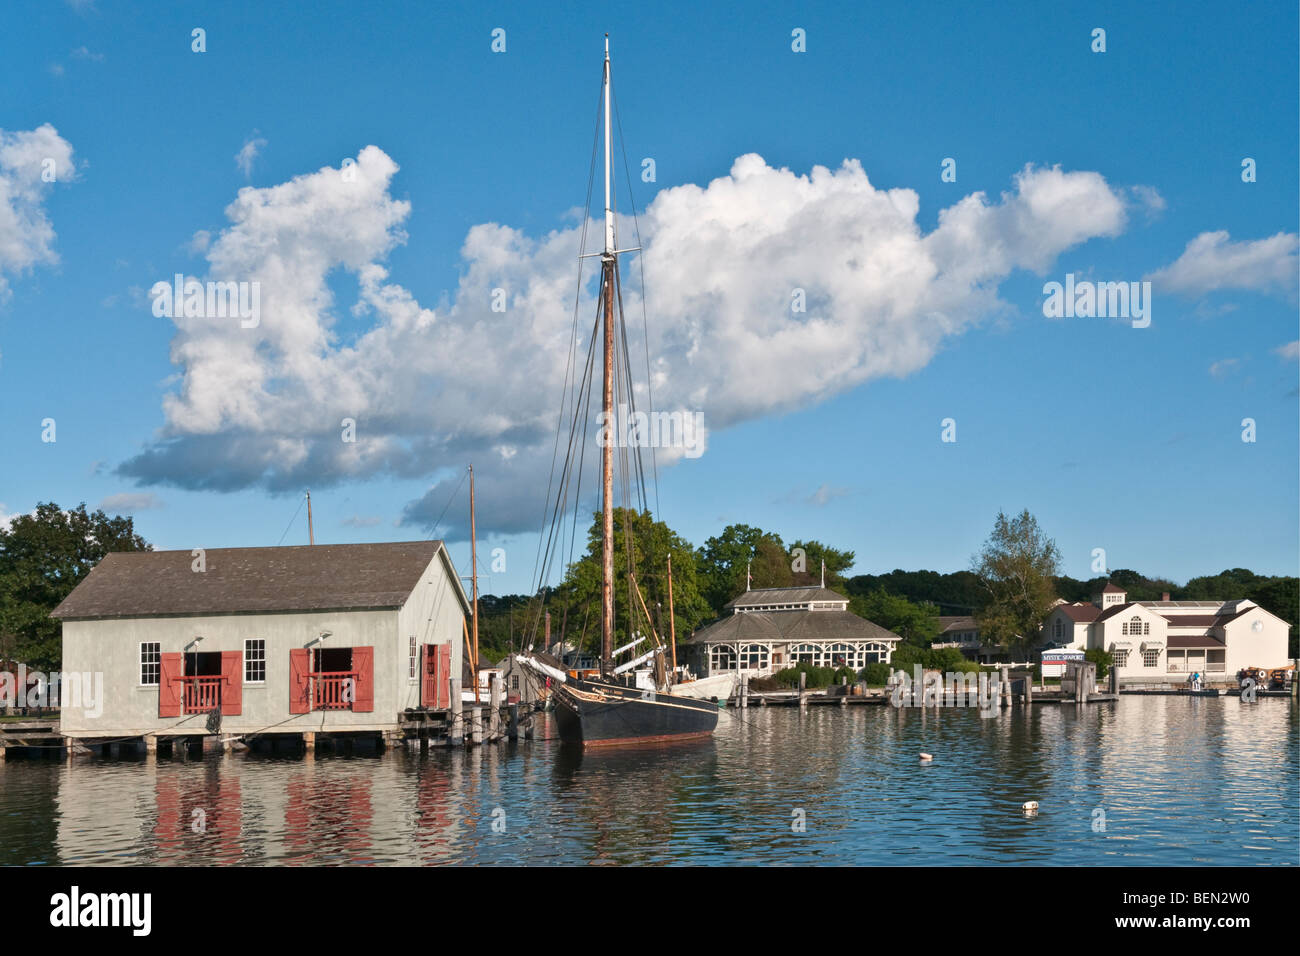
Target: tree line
{"points": [[1009, 588]]}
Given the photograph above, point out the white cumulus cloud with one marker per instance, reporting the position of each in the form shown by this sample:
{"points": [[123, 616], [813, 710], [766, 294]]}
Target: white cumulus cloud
{"points": [[1212, 261], [430, 389], [28, 161]]}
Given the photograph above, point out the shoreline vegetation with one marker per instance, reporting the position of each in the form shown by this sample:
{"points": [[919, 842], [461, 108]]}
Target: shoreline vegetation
{"points": [[45, 554]]}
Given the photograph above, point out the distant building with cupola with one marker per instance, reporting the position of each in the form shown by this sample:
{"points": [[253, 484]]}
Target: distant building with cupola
{"points": [[767, 629], [1164, 641]]}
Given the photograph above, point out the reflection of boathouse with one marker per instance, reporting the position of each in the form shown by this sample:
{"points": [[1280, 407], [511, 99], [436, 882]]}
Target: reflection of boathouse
{"points": [[772, 628]]}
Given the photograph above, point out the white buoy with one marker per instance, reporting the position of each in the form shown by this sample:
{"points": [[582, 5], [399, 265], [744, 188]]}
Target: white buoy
{"points": [[926, 758], [1029, 806]]}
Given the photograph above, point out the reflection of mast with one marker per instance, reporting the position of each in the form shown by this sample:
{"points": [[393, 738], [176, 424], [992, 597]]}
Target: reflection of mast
{"points": [[609, 263], [473, 560]]}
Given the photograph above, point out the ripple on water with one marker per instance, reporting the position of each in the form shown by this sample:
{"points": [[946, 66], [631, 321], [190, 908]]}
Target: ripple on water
{"points": [[1149, 780]]}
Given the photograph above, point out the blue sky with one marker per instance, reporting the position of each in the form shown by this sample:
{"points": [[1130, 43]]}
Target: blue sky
{"points": [[1114, 437]]}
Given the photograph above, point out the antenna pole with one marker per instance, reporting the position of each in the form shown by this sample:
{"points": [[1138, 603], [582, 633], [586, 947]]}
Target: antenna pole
{"points": [[311, 535]]}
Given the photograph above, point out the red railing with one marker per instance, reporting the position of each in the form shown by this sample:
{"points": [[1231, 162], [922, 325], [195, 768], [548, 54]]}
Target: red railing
{"points": [[333, 690], [202, 694]]}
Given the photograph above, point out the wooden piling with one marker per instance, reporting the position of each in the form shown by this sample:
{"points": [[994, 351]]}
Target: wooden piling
{"points": [[803, 693], [476, 724], [1004, 678], [494, 702], [456, 732], [744, 691]]}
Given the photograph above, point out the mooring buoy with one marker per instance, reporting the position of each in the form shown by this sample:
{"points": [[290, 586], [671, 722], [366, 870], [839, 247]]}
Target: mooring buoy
{"points": [[926, 758], [1030, 806]]}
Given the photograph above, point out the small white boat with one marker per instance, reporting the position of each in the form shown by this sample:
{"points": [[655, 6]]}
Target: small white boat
{"points": [[721, 686]]}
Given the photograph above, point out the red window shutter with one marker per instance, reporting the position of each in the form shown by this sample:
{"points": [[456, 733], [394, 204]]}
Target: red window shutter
{"points": [[299, 683], [170, 671], [232, 682], [444, 676], [363, 663], [428, 662]]}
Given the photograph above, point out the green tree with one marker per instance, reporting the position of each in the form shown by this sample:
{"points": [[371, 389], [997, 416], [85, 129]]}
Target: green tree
{"points": [[651, 543], [957, 593], [724, 560], [1017, 567], [43, 556], [918, 624], [837, 562]]}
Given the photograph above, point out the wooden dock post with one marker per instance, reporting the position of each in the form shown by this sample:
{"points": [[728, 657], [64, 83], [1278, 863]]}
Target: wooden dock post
{"points": [[1029, 688], [744, 692], [456, 732], [1113, 676], [1004, 676], [476, 724], [512, 729], [494, 701], [803, 694]]}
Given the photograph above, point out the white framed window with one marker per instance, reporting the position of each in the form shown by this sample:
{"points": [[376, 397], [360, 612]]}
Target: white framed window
{"points": [[1121, 657], [254, 661], [150, 663], [876, 653], [1150, 658], [754, 657], [803, 654], [722, 657], [413, 664]]}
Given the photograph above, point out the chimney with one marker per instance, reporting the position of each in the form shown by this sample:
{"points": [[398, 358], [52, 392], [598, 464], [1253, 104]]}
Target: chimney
{"points": [[1164, 596]]}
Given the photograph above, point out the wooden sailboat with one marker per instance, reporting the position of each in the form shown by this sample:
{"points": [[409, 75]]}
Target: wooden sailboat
{"points": [[604, 711]]}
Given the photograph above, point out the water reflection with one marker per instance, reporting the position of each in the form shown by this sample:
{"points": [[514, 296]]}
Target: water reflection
{"points": [[1171, 780]]}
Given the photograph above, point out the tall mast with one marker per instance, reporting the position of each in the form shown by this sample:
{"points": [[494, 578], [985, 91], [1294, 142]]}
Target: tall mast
{"points": [[609, 261], [311, 534], [473, 560]]}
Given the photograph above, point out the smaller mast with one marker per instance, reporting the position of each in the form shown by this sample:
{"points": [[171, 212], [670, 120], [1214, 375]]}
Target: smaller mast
{"points": [[747, 574], [311, 535], [823, 572], [473, 560], [672, 620]]}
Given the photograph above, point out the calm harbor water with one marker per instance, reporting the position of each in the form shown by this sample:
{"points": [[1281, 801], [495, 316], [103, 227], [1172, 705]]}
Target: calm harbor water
{"points": [[1175, 781]]}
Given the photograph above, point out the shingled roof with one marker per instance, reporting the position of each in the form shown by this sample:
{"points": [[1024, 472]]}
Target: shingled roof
{"points": [[321, 577], [1079, 613], [758, 597], [792, 626]]}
